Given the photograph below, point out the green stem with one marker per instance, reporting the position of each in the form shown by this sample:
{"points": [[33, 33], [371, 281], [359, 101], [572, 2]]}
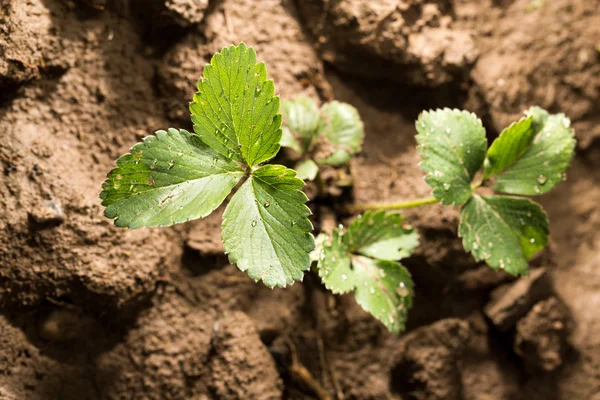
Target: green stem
{"points": [[403, 204], [394, 206]]}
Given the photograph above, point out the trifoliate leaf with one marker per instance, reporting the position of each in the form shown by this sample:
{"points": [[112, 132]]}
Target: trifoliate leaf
{"points": [[265, 227], [341, 133], [546, 160], [503, 231], [381, 235], [452, 145], [167, 179], [354, 260], [512, 143], [300, 121], [234, 110], [382, 288], [307, 170]]}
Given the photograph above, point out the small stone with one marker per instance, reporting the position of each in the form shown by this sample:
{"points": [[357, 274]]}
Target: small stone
{"points": [[512, 301], [47, 216]]}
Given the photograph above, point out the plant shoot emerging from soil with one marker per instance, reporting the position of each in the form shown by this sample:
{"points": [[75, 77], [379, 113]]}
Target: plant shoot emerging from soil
{"points": [[331, 135], [175, 176]]}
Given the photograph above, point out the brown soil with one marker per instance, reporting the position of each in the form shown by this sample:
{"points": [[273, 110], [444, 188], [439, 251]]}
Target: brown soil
{"points": [[89, 311]]}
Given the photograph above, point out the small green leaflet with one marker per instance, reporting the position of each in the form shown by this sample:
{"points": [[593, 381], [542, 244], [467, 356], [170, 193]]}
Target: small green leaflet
{"points": [[167, 179], [342, 131], [381, 235], [385, 289], [301, 118], [307, 170], [335, 265], [452, 145], [544, 162], [509, 146], [382, 287], [235, 111], [266, 230], [503, 231]]}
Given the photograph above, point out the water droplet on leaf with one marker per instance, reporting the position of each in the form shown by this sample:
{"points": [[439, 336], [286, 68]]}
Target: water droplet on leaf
{"points": [[402, 290], [541, 179]]}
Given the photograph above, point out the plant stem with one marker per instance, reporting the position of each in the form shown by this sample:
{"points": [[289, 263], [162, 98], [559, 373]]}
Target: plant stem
{"points": [[394, 206], [401, 205]]}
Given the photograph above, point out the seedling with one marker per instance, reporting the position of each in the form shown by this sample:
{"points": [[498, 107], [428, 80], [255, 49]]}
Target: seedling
{"points": [[176, 176], [331, 135], [528, 158]]}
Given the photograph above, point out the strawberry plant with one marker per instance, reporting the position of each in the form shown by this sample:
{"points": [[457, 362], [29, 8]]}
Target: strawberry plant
{"points": [[175, 176], [503, 229]]}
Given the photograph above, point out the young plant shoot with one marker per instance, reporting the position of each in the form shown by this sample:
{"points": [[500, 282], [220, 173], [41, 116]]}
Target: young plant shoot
{"points": [[331, 135], [175, 176], [505, 230]]}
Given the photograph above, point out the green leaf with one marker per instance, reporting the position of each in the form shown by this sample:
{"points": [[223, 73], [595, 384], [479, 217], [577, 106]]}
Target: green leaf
{"points": [[512, 143], [300, 121], [288, 140], [335, 267], [355, 261], [341, 133], [503, 231], [318, 250], [546, 160], [265, 227], [452, 145], [382, 288], [307, 170], [385, 289], [235, 111], [381, 235], [167, 179]]}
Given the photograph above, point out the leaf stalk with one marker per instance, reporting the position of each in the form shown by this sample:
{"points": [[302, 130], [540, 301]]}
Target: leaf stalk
{"points": [[394, 206]]}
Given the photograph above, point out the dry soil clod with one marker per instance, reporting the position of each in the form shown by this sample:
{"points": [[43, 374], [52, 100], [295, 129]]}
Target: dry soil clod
{"points": [[541, 337], [511, 301]]}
